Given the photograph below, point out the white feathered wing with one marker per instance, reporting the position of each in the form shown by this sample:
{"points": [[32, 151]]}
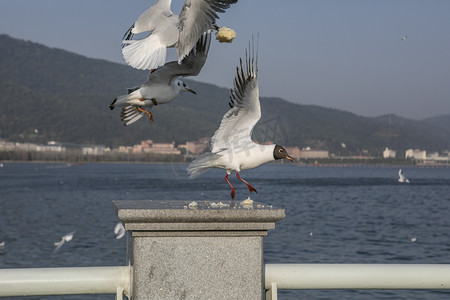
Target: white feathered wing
{"points": [[237, 124]]}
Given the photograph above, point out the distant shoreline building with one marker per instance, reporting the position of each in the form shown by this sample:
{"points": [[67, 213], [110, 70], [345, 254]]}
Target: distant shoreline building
{"points": [[416, 154], [158, 148], [53, 150], [434, 159], [307, 153], [196, 147], [388, 153]]}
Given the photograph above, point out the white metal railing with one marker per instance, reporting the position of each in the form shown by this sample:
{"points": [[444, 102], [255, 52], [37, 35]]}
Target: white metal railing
{"points": [[66, 281], [118, 280], [355, 276]]}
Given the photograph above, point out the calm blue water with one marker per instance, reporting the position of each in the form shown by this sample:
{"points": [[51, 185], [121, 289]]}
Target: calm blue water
{"points": [[333, 215]]}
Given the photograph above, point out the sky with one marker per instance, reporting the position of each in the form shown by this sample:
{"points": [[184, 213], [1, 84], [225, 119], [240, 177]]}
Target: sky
{"points": [[342, 54]]}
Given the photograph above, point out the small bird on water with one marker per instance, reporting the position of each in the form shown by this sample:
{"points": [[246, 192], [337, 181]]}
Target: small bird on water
{"points": [[401, 177], [164, 84], [232, 146]]}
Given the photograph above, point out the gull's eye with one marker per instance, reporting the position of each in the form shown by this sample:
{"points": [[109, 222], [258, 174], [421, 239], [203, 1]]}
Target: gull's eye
{"points": [[178, 84]]}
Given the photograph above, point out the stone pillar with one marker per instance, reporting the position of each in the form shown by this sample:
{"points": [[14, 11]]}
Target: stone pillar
{"points": [[197, 250]]}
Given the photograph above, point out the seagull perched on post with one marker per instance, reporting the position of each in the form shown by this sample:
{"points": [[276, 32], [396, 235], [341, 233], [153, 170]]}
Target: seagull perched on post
{"points": [[232, 146], [163, 85], [170, 30]]}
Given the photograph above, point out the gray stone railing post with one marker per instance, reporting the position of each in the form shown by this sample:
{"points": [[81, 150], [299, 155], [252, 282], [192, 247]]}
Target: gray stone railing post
{"points": [[197, 250]]}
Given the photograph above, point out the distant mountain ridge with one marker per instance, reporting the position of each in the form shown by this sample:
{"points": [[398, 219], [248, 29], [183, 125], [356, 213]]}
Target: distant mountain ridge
{"points": [[65, 97]]}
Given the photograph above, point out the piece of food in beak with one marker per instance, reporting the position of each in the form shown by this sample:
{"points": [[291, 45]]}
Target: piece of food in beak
{"points": [[225, 35]]}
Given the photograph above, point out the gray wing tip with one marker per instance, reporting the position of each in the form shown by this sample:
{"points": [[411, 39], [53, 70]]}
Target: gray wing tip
{"points": [[246, 71], [196, 58]]}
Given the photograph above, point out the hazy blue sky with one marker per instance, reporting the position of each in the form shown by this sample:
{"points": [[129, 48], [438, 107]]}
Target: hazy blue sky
{"points": [[344, 54]]}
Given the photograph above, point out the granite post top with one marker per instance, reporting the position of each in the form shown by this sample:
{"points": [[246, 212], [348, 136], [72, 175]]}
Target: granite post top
{"points": [[196, 215]]}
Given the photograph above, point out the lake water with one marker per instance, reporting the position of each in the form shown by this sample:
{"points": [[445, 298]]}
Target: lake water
{"points": [[333, 215]]}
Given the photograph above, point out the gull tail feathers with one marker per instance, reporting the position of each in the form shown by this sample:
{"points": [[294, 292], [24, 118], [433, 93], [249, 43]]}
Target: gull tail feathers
{"points": [[201, 164], [130, 114], [112, 105], [121, 100], [146, 54]]}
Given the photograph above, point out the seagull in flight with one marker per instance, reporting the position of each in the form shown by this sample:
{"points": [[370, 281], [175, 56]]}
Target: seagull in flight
{"points": [[65, 238], [119, 231], [232, 146], [163, 85], [170, 30], [2, 247]]}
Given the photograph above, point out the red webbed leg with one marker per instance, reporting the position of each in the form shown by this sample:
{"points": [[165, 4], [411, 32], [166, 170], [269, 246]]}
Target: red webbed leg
{"points": [[233, 190], [250, 187], [147, 112]]}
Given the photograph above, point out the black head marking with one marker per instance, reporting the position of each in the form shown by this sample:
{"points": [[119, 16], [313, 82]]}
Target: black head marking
{"points": [[279, 153]]}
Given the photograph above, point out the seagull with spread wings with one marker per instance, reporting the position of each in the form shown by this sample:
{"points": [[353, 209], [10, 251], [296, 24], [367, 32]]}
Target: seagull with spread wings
{"points": [[119, 231], [232, 146], [164, 84], [65, 238], [170, 30]]}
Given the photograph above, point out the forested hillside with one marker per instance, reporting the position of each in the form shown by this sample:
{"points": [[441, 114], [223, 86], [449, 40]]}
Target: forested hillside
{"points": [[51, 94]]}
